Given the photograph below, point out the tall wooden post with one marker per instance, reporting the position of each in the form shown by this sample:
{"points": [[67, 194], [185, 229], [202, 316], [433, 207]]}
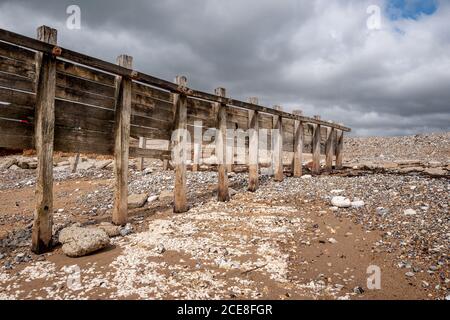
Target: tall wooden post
{"points": [[297, 162], [316, 148], [142, 145], [180, 108], [221, 147], [198, 133], [339, 149], [329, 149], [122, 143], [231, 151], [44, 137], [278, 147], [253, 148]]}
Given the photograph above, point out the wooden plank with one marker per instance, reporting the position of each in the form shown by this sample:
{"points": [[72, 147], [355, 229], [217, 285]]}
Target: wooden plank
{"points": [[158, 111], [16, 142], [83, 141], [316, 150], [155, 93], [16, 67], [84, 117], [278, 147], [223, 194], [17, 53], [253, 148], [84, 97], [85, 86], [68, 68], [16, 82], [297, 163], [150, 123], [180, 148], [17, 97], [41, 239], [149, 133], [17, 112], [329, 152], [339, 150], [140, 160], [197, 152], [122, 143], [150, 154]]}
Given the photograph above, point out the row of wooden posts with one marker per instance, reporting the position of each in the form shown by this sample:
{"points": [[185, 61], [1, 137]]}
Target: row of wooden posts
{"points": [[44, 138]]}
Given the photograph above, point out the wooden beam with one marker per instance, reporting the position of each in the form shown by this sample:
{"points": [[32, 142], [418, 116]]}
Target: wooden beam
{"points": [[297, 162], [278, 147], [329, 149], [75, 161], [44, 138], [140, 161], [122, 143], [180, 147], [221, 147], [198, 137], [150, 80], [339, 150], [253, 148], [316, 148]]}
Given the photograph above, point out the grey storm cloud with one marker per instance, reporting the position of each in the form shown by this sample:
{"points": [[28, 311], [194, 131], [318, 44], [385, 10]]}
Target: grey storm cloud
{"points": [[318, 56]]}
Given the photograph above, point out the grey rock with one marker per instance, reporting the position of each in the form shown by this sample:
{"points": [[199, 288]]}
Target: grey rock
{"points": [[409, 274], [358, 290], [341, 202], [78, 242], [8, 163], [137, 200], [160, 249], [127, 230], [152, 199], [110, 229]]}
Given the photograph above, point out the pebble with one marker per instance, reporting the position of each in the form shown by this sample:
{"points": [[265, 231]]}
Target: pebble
{"points": [[358, 290], [341, 202], [409, 212], [409, 274]]}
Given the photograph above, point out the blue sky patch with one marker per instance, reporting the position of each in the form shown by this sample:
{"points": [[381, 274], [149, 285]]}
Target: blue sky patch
{"points": [[410, 9]]}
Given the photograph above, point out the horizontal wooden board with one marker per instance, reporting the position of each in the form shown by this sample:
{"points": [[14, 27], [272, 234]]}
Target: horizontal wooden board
{"points": [[13, 81], [84, 141], [17, 112], [85, 86], [79, 116], [151, 92], [17, 53], [150, 154], [83, 72], [17, 97], [149, 133], [84, 97], [17, 67]]}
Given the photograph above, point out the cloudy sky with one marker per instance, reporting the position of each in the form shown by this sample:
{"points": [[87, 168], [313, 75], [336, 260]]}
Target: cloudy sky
{"points": [[330, 58]]}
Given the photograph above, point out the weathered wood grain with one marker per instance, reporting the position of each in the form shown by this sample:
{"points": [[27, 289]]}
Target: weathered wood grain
{"points": [[221, 147], [41, 239], [121, 143], [253, 149]]}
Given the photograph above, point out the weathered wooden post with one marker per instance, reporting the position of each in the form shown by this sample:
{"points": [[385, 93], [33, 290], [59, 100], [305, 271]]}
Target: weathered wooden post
{"points": [[277, 139], [253, 148], [316, 147], [180, 155], [141, 160], [74, 165], [231, 151], [221, 147], [44, 138], [329, 149], [339, 149], [198, 135], [297, 162], [122, 142]]}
